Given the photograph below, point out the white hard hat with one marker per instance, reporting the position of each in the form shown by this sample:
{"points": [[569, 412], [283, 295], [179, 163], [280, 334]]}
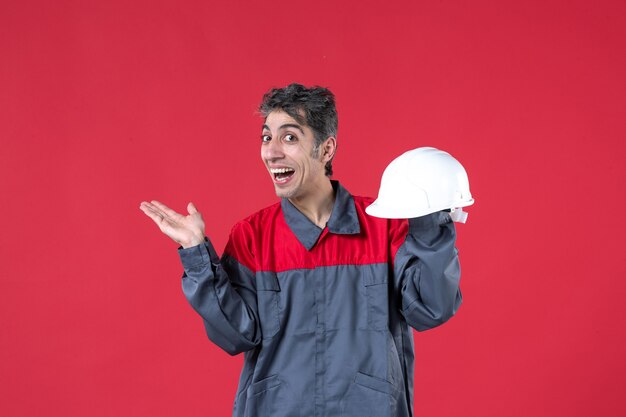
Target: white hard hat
{"points": [[419, 182]]}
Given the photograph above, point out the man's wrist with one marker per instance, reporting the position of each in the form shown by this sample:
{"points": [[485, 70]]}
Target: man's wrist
{"points": [[192, 242]]}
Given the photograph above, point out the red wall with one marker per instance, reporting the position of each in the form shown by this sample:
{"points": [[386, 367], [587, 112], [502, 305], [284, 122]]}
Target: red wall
{"points": [[106, 104]]}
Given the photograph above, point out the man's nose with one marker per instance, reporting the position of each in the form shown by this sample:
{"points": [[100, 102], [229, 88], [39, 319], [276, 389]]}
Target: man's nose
{"points": [[272, 150]]}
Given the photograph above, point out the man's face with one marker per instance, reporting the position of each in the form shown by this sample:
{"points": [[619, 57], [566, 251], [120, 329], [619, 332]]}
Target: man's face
{"points": [[287, 151]]}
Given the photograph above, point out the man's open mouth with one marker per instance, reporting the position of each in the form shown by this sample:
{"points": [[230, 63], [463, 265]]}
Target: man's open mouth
{"points": [[282, 174]]}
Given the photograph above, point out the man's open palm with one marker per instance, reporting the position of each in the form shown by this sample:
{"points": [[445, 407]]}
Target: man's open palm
{"points": [[187, 230]]}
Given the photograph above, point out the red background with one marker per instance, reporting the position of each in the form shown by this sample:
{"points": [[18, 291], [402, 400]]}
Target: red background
{"points": [[105, 104]]}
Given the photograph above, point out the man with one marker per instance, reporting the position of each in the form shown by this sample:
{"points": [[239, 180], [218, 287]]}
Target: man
{"points": [[317, 294]]}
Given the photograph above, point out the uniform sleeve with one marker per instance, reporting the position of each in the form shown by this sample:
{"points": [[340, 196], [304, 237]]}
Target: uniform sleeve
{"points": [[427, 271], [223, 292]]}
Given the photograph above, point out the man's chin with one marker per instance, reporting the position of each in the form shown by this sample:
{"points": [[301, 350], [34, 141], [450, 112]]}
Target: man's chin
{"points": [[284, 193]]}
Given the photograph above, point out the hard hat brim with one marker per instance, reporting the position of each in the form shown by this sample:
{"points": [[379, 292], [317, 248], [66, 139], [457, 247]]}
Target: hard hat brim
{"points": [[377, 209]]}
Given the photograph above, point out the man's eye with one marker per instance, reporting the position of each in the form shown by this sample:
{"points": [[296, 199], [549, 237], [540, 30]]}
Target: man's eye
{"points": [[290, 138], [265, 138]]}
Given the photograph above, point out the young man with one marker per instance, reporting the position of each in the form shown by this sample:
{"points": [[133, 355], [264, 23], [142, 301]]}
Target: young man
{"points": [[318, 295]]}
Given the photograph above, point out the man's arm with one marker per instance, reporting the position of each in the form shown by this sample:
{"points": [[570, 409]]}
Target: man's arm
{"points": [[427, 271], [222, 292]]}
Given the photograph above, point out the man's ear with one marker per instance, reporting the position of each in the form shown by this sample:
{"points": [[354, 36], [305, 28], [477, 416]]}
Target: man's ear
{"points": [[328, 148]]}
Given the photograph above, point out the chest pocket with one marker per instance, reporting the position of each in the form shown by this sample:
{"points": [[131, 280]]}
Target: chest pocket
{"points": [[268, 293], [376, 291]]}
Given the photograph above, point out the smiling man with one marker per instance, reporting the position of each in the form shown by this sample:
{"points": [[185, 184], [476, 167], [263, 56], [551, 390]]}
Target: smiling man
{"points": [[319, 296]]}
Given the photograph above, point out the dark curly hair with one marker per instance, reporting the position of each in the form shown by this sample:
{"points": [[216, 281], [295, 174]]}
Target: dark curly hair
{"points": [[313, 107]]}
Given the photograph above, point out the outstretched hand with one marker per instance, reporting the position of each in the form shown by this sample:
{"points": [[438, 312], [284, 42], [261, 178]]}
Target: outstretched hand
{"points": [[187, 231]]}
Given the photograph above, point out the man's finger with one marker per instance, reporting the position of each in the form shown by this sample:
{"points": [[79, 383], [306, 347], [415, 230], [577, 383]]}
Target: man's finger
{"points": [[191, 208], [149, 206], [154, 215], [165, 209]]}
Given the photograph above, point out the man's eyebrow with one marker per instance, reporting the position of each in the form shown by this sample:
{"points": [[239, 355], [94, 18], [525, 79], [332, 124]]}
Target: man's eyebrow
{"points": [[286, 126]]}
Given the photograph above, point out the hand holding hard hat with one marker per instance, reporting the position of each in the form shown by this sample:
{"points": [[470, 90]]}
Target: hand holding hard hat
{"points": [[422, 181]]}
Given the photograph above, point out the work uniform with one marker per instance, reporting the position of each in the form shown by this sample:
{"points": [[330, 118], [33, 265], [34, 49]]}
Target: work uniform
{"points": [[323, 315]]}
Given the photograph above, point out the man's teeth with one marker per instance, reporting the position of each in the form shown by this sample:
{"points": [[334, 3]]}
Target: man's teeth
{"points": [[280, 170]]}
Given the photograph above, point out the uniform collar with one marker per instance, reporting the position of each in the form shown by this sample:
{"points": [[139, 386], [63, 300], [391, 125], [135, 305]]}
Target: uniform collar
{"points": [[343, 219]]}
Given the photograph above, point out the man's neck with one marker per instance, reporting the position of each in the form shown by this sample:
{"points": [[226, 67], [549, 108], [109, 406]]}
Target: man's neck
{"points": [[317, 206]]}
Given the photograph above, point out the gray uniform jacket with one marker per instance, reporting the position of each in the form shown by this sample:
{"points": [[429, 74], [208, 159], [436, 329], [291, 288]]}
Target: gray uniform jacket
{"points": [[323, 315]]}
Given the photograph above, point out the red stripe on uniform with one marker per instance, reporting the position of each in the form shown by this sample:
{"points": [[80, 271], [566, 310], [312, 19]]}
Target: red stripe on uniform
{"points": [[264, 242]]}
